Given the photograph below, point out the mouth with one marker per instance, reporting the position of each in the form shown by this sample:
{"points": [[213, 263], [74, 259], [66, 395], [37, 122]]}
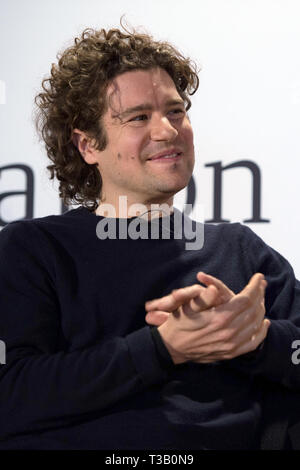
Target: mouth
{"points": [[165, 157]]}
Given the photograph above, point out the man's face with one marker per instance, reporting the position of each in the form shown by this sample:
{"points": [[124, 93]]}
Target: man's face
{"points": [[145, 119]]}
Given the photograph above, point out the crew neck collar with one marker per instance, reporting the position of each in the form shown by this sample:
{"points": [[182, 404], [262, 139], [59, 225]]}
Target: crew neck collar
{"points": [[179, 224], [87, 212]]}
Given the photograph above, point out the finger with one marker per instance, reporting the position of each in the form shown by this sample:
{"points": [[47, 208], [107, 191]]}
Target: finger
{"points": [[156, 318], [171, 302], [249, 323], [256, 339], [242, 347], [254, 291], [224, 291], [260, 312], [256, 281], [260, 334], [205, 299], [252, 316]]}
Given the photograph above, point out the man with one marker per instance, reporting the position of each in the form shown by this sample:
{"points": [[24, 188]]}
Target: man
{"points": [[111, 341]]}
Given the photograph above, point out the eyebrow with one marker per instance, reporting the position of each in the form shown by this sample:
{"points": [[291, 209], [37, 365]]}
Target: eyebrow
{"points": [[146, 107]]}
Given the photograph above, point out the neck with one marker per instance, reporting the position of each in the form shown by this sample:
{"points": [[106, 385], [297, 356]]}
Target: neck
{"points": [[122, 208]]}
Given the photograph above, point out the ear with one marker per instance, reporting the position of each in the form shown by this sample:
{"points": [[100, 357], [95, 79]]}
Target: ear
{"points": [[85, 146]]}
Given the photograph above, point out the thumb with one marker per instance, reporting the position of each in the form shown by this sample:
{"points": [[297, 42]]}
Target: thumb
{"points": [[257, 281]]}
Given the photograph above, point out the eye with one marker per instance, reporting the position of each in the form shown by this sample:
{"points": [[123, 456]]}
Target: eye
{"points": [[178, 112], [140, 117]]}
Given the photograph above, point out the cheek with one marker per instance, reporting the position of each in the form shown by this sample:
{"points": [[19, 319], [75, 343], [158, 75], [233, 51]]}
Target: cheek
{"points": [[187, 133], [131, 145], [136, 152]]}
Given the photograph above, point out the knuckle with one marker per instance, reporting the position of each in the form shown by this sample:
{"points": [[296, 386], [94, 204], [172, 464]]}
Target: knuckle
{"points": [[226, 335], [229, 347], [263, 308], [226, 349], [229, 355], [197, 289], [244, 301], [173, 297]]}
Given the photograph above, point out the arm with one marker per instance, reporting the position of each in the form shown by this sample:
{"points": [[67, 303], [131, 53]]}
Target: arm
{"points": [[196, 332], [271, 357], [42, 384], [273, 361]]}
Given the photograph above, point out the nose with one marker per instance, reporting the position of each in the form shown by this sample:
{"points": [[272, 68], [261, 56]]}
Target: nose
{"points": [[162, 129]]}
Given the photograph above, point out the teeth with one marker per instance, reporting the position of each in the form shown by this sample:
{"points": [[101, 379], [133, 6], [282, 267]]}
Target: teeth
{"points": [[172, 155]]}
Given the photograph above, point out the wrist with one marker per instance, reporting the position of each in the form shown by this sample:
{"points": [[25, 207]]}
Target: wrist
{"points": [[164, 357], [166, 337]]}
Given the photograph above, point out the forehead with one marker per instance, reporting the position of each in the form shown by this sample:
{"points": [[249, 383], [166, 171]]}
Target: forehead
{"points": [[138, 87]]}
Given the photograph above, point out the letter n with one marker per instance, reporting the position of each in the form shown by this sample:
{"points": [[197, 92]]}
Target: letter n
{"points": [[256, 190]]}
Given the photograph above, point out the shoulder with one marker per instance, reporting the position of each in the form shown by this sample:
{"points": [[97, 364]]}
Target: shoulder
{"points": [[238, 243], [39, 236], [241, 241], [36, 226], [229, 233]]}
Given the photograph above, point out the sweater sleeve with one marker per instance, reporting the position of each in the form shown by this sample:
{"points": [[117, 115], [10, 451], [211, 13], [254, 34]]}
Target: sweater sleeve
{"points": [[42, 385], [274, 359]]}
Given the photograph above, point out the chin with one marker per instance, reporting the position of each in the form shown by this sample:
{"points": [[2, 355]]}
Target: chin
{"points": [[181, 184], [172, 190]]}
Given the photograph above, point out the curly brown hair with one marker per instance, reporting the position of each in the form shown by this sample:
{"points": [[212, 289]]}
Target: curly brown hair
{"points": [[74, 96]]}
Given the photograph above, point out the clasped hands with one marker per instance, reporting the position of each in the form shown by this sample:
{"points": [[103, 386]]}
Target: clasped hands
{"points": [[210, 323]]}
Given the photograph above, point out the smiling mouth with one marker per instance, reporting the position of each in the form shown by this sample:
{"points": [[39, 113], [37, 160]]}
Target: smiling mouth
{"points": [[167, 158]]}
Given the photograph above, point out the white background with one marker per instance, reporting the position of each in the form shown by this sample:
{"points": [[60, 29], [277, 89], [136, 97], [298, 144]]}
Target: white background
{"points": [[247, 106]]}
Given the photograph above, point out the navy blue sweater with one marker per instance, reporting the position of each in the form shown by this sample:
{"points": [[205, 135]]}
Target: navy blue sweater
{"points": [[83, 370]]}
